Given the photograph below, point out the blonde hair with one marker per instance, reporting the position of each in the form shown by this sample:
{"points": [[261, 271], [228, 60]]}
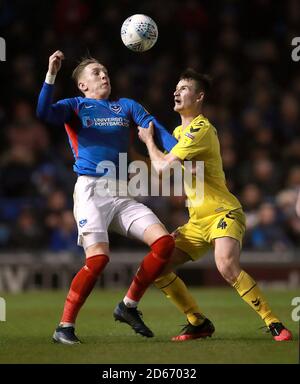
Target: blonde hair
{"points": [[80, 67]]}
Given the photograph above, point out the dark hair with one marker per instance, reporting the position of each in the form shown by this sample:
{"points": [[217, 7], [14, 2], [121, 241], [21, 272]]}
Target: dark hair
{"points": [[203, 81], [80, 67]]}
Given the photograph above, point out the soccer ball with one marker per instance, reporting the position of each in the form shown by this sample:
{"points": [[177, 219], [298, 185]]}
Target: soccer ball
{"points": [[139, 33]]}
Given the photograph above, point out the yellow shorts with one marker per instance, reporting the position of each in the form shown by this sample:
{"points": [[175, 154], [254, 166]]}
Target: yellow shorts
{"points": [[195, 238]]}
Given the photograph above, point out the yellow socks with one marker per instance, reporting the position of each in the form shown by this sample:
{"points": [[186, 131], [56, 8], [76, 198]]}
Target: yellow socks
{"points": [[250, 292], [175, 289]]}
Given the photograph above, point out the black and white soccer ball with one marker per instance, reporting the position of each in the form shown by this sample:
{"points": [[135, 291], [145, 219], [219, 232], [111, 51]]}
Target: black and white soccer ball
{"points": [[139, 33]]}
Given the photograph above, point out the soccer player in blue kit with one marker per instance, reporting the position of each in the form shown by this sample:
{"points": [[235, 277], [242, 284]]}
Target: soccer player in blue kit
{"points": [[98, 130]]}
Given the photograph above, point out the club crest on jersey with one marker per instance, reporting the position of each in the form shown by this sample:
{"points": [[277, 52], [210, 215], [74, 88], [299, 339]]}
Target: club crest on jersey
{"points": [[82, 223], [87, 121], [115, 108]]}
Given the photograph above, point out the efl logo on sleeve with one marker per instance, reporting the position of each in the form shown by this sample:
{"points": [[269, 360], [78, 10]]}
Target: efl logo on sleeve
{"points": [[2, 309]]}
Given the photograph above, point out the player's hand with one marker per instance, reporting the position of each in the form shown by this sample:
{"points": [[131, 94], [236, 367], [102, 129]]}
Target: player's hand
{"points": [[146, 134], [55, 61]]}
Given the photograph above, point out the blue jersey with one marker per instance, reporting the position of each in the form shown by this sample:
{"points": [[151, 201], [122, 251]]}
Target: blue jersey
{"points": [[98, 130]]}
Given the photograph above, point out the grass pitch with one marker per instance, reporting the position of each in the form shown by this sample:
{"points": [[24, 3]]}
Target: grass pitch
{"points": [[31, 318]]}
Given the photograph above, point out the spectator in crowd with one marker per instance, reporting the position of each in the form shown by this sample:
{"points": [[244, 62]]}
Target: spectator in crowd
{"points": [[64, 236], [267, 234], [28, 234]]}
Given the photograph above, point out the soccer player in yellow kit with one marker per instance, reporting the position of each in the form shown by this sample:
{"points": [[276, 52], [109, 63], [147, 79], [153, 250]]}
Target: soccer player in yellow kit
{"points": [[218, 221]]}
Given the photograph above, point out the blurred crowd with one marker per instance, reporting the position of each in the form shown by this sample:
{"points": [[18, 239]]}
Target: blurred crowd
{"points": [[254, 104]]}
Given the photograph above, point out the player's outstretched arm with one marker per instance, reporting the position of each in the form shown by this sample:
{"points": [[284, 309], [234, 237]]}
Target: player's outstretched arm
{"points": [[59, 112]]}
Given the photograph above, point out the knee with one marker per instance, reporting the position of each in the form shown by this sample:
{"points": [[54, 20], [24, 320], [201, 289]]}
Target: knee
{"points": [[228, 270], [96, 264], [163, 247]]}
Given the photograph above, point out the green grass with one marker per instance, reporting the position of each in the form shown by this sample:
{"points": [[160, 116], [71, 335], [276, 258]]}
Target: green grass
{"points": [[31, 318]]}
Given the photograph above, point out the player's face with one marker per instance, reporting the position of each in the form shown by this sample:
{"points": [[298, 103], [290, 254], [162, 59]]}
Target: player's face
{"points": [[186, 97], [95, 81]]}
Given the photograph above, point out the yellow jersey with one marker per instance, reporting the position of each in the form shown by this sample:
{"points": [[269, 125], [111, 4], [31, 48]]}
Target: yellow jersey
{"points": [[199, 141]]}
